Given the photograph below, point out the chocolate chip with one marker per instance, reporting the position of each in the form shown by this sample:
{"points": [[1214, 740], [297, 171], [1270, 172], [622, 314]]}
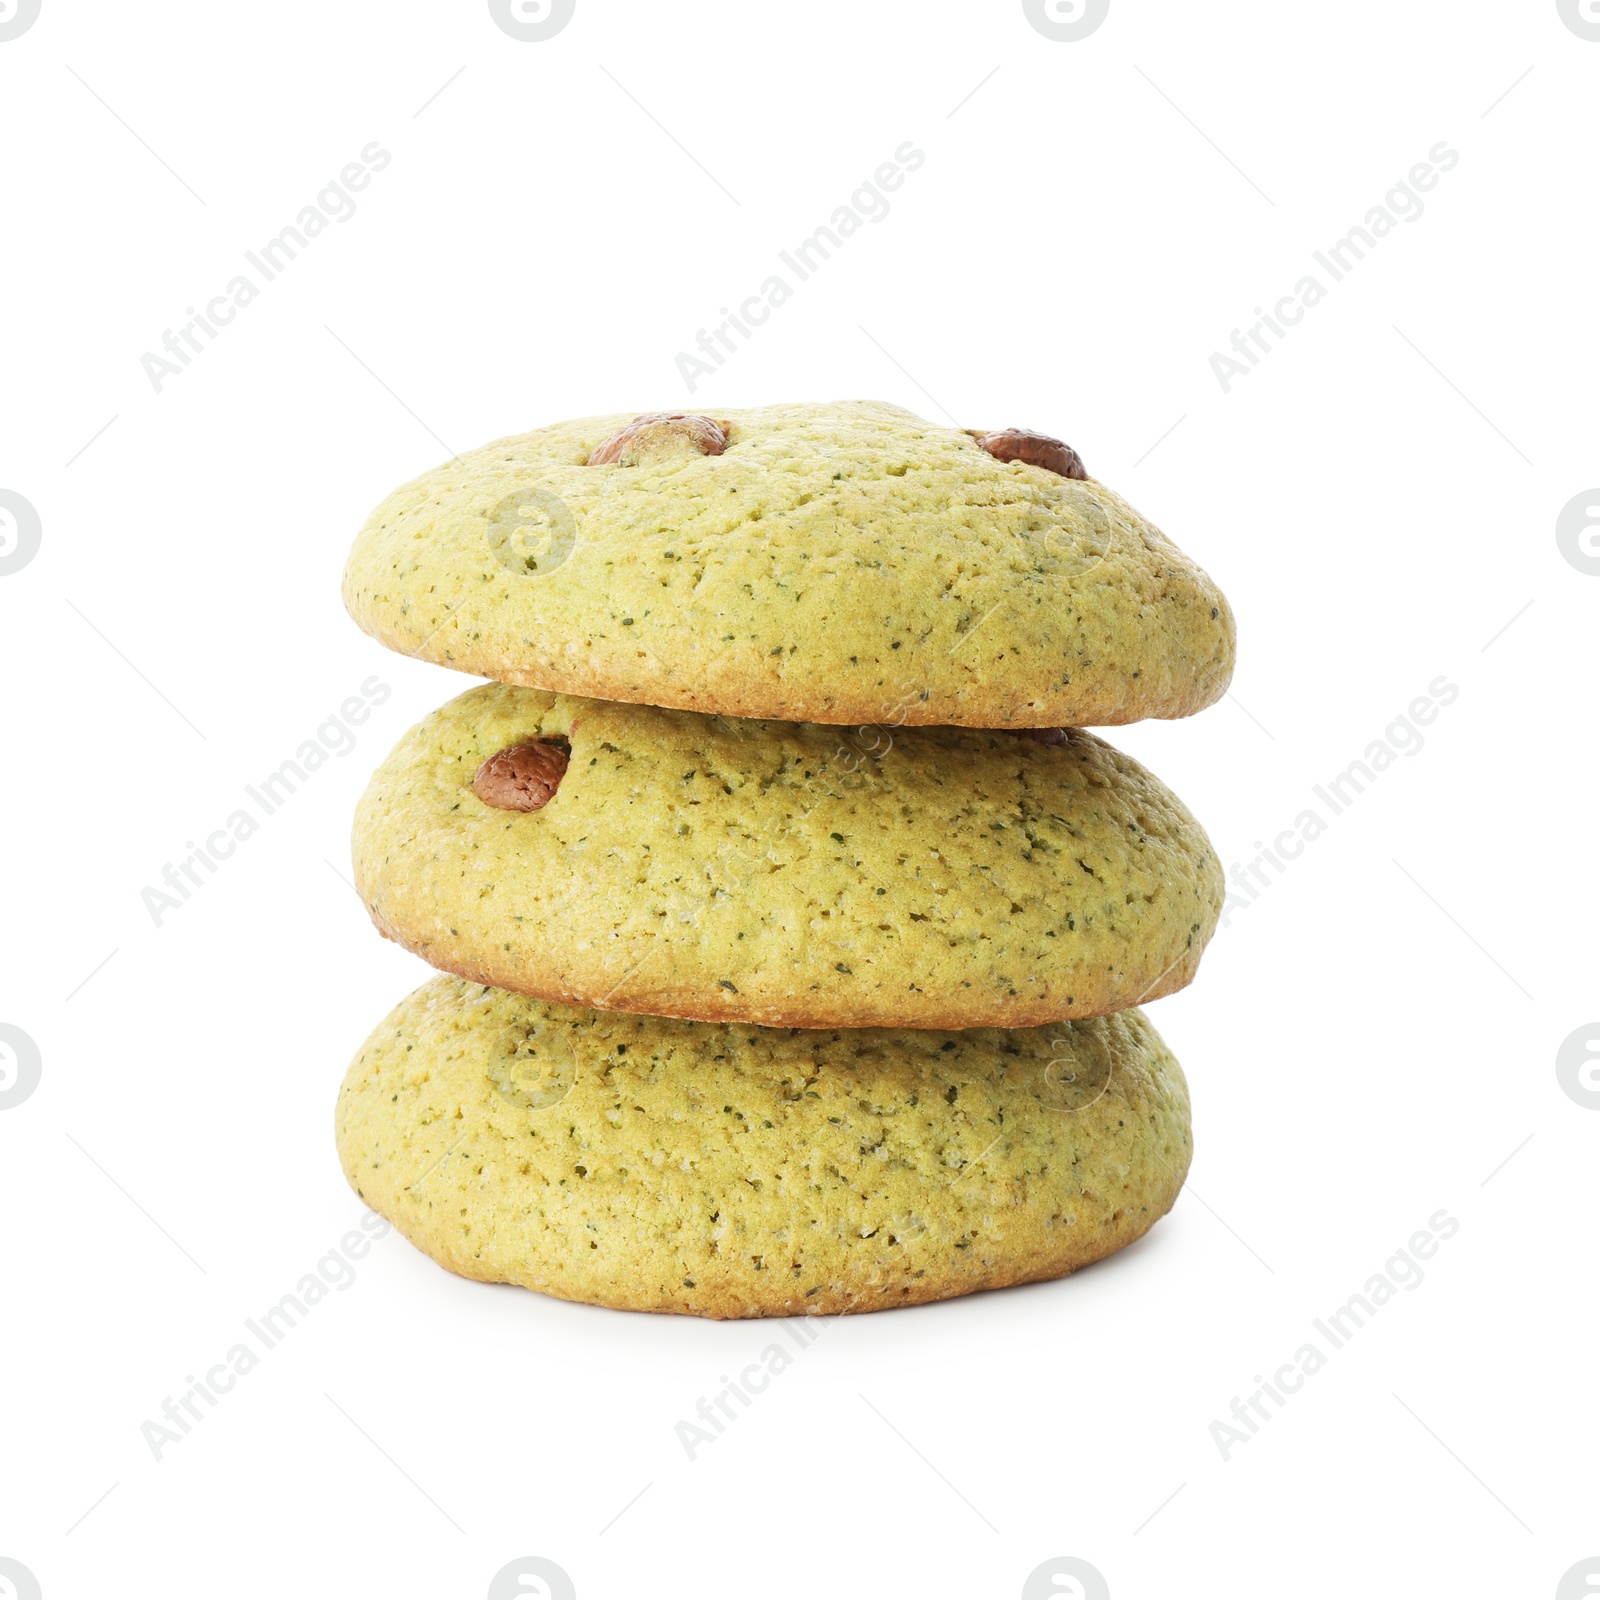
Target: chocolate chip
{"points": [[1036, 449], [661, 433], [1042, 735], [522, 777]]}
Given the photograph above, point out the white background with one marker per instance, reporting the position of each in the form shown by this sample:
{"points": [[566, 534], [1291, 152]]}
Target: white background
{"points": [[1373, 1039]]}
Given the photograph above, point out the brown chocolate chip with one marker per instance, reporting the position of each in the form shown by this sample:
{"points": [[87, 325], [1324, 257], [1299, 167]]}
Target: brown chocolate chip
{"points": [[522, 777], [1042, 735], [1036, 449], [661, 433]]}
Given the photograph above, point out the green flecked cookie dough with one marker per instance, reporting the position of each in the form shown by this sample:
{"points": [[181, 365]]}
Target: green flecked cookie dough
{"points": [[793, 875], [732, 1171], [844, 563]]}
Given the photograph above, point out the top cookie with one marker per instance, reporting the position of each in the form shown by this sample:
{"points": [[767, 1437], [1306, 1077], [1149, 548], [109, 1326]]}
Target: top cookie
{"points": [[845, 563]]}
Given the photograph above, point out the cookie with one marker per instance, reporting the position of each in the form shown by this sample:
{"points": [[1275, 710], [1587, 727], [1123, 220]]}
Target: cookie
{"points": [[845, 563], [727, 1171], [723, 869]]}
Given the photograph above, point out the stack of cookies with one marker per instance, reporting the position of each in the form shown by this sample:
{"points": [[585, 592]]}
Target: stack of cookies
{"points": [[790, 932]]}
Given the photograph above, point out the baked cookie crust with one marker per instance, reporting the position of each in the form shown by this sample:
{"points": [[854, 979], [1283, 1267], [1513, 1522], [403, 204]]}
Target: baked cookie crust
{"points": [[723, 869], [729, 1171], [845, 563]]}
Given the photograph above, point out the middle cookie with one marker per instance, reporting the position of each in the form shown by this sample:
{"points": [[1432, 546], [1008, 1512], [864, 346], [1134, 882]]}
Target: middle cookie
{"points": [[637, 859]]}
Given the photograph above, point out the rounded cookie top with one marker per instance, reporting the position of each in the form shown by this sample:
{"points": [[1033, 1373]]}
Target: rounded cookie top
{"points": [[821, 563], [731, 1171], [796, 875]]}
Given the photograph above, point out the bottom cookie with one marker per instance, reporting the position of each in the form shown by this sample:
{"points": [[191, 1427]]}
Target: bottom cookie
{"points": [[732, 1171]]}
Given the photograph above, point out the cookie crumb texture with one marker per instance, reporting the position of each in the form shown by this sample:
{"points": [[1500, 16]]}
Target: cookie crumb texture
{"points": [[726, 1171], [833, 563], [721, 869]]}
